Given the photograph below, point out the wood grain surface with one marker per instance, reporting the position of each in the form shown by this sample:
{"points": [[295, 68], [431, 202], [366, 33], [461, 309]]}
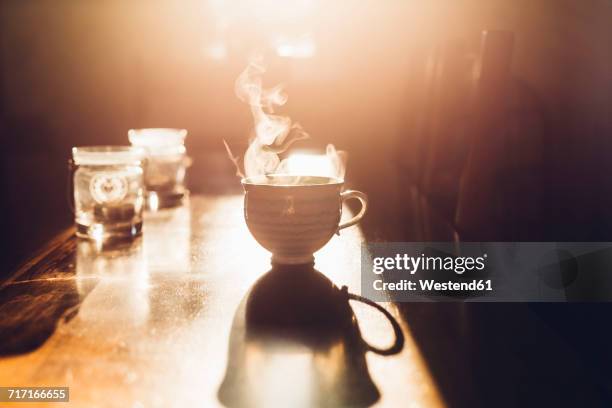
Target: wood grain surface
{"points": [[149, 324]]}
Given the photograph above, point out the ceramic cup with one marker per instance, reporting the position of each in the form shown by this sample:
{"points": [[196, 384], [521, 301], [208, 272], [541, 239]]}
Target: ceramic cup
{"points": [[295, 216]]}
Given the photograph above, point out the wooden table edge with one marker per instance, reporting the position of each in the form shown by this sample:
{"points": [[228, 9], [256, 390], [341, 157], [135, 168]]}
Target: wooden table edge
{"points": [[42, 256]]}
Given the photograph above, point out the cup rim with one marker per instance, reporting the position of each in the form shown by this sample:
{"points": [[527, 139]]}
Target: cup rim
{"points": [[107, 155], [259, 180]]}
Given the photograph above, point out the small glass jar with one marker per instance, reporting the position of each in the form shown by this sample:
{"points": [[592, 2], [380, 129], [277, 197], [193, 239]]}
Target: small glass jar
{"points": [[108, 191], [166, 165]]}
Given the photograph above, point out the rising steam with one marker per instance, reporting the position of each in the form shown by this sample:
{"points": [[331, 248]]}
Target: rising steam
{"points": [[273, 134]]}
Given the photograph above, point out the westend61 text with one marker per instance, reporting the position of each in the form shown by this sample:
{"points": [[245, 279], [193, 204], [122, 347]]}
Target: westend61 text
{"points": [[432, 285]]}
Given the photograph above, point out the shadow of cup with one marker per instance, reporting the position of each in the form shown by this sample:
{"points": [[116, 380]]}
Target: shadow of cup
{"points": [[295, 341]]}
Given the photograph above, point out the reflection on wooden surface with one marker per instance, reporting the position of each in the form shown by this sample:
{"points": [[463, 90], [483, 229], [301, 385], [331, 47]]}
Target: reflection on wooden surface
{"points": [[153, 321]]}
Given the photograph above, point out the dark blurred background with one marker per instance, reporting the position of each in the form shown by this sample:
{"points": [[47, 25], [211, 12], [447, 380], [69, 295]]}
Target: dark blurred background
{"points": [[454, 134]]}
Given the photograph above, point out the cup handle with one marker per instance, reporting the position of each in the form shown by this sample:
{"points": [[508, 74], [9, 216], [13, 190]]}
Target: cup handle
{"points": [[363, 198]]}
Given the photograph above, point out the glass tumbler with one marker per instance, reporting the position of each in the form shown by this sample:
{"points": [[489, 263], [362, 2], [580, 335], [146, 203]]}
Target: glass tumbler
{"points": [[166, 165], [108, 191]]}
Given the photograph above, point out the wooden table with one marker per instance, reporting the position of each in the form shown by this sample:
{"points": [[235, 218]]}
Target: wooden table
{"points": [[149, 325]]}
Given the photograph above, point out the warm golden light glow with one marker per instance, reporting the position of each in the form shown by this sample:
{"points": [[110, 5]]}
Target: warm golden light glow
{"points": [[97, 233], [269, 369], [153, 201], [216, 50], [302, 47], [268, 12], [311, 165]]}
